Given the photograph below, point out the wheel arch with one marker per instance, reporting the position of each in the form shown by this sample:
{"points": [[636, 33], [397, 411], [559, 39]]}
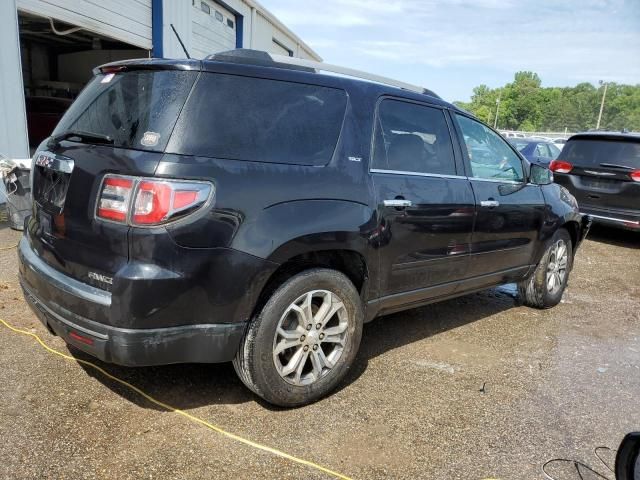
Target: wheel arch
{"points": [[351, 263]]}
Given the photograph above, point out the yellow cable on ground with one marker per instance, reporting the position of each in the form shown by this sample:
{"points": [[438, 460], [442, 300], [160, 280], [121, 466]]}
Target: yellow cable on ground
{"points": [[8, 248], [193, 418]]}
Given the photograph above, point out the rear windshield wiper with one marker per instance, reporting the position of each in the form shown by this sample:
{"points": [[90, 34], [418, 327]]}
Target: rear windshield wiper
{"points": [[614, 165], [88, 137]]}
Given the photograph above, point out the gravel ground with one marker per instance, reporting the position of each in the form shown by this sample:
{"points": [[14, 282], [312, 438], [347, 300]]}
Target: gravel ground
{"points": [[557, 384]]}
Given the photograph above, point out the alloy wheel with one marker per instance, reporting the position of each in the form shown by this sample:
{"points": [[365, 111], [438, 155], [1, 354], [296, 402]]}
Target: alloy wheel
{"points": [[557, 268], [310, 337]]}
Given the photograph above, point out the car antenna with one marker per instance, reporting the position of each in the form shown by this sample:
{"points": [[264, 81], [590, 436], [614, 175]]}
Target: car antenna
{"points": [[180, 40]]}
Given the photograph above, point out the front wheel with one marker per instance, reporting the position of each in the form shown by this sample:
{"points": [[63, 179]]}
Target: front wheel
{"points": [[545, 287], [299, 347]]}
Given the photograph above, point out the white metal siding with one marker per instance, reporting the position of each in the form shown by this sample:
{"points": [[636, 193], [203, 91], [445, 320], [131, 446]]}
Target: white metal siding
{"points": [[209, 34], [128, 21], [203, 38], [13, 121]]}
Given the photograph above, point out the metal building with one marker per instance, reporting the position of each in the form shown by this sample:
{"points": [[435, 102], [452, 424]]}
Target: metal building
{"points": [[49, 48]]}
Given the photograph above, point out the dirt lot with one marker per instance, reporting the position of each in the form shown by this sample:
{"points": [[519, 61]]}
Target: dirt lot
{"points": [[557, 384]]}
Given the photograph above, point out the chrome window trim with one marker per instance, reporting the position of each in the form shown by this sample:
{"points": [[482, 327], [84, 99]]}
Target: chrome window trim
{"points": [[438, 175], [496, 180], [415, 174]]}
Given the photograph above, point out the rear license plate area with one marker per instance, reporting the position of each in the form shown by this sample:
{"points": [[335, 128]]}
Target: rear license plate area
{"points": [[44, 222], [599, 183], [51, 178]]}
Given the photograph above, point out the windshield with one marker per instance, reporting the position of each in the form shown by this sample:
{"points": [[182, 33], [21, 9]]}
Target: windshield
{"points": [[592, 153], [136, 109]]}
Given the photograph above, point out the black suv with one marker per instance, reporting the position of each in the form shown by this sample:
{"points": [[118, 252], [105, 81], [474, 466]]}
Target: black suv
{"points": [[239, 208], [602, 170]]}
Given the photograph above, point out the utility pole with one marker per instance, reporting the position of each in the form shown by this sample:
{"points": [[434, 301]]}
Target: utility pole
{"points": [[604, 94], [495, 120]]}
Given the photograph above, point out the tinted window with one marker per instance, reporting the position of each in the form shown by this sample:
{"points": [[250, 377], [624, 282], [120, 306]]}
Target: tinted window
{"points": [[591, 153], [553, 150], [490, 156], [242, 118], [126, 106], [412, 138], [542, 150], [519, 144]]}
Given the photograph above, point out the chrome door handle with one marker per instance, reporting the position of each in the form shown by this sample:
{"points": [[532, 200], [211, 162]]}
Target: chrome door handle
{"points": [[397, 202], [489, 203]]}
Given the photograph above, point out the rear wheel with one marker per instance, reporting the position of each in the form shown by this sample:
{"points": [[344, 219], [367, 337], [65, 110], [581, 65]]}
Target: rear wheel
{"points": [[545, 287], [302, 343]]}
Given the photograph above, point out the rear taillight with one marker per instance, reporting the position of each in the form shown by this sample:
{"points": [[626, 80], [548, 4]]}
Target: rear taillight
{"points": [[144, 202], [560, 166], [635, 175], [113, 203]]}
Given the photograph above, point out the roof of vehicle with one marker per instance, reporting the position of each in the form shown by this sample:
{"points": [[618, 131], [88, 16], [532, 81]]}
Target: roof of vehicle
{"points": [[256, 63], [624, 136], [528, 140]]}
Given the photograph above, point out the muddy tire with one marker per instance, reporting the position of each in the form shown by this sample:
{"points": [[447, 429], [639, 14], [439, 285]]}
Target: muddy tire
{"points": [[301, 344], [545, 287]]}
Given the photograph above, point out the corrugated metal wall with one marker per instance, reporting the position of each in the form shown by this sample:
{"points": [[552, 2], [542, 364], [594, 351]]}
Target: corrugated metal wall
{"points": [[13, 121], [128, 21], [189, 23]]}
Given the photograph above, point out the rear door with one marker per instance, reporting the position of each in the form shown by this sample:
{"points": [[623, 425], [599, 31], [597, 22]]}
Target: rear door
{"points": [[510, 211], [425, 204], [601, 171], [122, 123]]}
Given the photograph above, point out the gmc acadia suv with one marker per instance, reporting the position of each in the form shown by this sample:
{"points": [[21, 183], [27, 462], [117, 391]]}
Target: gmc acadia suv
{"points": [[240, 208]]}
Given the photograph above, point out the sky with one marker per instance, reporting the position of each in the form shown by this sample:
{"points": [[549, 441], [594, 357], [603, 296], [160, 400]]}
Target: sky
{"points": [[452, 46]]}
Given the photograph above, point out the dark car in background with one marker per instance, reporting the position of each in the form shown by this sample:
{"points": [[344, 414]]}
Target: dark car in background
{"points": [[535, 150], [602, 170], [241, 209]]}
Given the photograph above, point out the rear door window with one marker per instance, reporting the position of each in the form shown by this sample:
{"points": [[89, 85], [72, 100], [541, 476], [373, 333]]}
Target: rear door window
{"points": [[594, 153], [255, 119], [412, 138], [136, 109]]}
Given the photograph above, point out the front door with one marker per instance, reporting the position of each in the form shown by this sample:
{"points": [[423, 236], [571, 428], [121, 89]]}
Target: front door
{"points": [[510, 211], [425, 204]]}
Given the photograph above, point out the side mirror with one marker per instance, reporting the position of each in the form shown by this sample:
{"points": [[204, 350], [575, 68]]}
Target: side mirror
{"points": [[540, 175], [628, 458]]}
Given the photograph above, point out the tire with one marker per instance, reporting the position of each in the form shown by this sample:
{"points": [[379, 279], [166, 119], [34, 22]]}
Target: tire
{"points": [[536, 290], [262, 361]]}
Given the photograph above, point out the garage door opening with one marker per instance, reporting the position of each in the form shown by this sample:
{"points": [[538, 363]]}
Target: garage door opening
{"points": [[57, 61]]}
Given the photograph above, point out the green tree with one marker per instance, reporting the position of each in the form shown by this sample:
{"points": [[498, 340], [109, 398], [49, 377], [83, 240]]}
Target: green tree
{"points": [[526, 105]]}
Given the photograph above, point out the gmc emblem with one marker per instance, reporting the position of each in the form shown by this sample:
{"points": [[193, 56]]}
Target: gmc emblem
{"points": [[100, 278]]}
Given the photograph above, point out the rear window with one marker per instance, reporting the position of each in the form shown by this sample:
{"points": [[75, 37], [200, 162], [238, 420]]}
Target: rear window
{"points": [[592, 153], [254, 119], [136, 109]]}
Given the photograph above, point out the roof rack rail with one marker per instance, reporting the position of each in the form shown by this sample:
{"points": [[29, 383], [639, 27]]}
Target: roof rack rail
{"points": [[258, 57], [350, 72]]}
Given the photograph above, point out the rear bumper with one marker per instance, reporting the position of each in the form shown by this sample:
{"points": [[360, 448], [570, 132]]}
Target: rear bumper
{"points": [[616, 218], [199, 343]]}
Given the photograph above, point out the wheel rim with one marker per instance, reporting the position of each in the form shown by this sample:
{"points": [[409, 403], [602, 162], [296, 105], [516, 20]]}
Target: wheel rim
{"points": [[310, 337], [557, 268]]}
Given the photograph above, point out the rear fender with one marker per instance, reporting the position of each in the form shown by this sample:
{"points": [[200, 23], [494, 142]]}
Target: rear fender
{"points": [[562, 212], [286, 230]]}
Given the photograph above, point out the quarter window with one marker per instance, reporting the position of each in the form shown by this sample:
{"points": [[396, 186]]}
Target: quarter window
{"points": [[412, 138], [260, 120], [490, 156]]}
